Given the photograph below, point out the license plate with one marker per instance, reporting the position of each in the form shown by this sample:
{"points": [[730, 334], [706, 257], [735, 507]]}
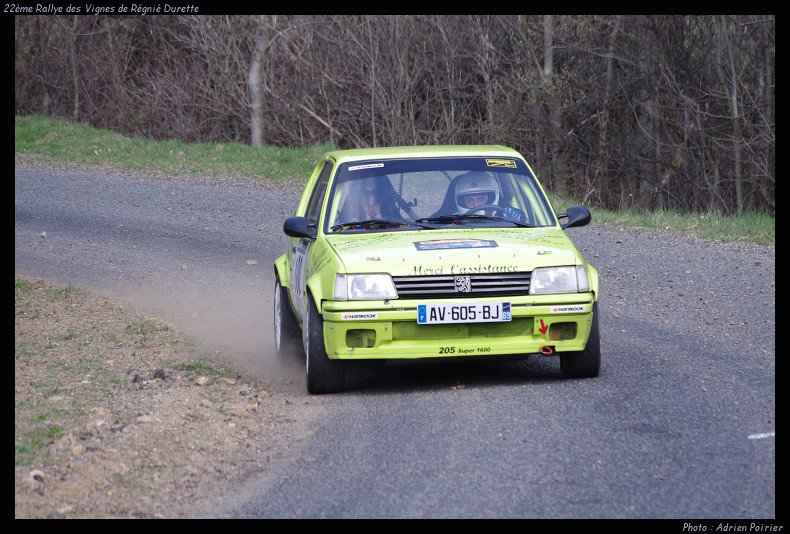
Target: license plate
{"points": [[480, 312]]}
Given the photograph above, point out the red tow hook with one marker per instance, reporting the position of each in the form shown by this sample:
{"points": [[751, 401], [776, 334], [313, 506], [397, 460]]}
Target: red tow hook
{"points": [[546, 350]]}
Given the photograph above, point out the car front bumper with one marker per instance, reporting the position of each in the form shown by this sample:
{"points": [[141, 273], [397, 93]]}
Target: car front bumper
{"points": [[365, 330]]}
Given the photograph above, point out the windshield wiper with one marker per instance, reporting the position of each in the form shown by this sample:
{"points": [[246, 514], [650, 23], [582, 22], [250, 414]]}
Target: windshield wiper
{"points": [[463, 216], [377, 222]]}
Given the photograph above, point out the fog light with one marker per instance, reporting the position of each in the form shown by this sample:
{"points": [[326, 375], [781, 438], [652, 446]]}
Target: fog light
{"points": [[360, 338], [562, 331]]}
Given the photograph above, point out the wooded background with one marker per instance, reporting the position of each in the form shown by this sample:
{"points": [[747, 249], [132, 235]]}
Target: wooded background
{"points": [[622, 112]]}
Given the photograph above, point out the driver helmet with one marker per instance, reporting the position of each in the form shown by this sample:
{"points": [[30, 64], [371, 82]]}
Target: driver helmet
{"points": [[475, 183], [369, 191], [366, 195]]}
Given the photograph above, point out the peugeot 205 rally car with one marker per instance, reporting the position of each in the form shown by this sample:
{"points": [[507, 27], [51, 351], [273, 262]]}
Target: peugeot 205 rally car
{"points": [[403, 253]]}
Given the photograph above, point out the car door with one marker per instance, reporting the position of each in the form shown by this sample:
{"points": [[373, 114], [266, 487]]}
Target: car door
{"points": [[303, 246]]}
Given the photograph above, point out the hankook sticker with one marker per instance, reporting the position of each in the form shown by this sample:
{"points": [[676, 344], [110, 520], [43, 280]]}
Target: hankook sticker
{"points": [[359, 316], [567, 309]]}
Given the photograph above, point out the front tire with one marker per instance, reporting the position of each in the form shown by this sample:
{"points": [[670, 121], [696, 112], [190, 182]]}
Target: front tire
{"points": [[286, 330], [323, 375], [584, 363]]}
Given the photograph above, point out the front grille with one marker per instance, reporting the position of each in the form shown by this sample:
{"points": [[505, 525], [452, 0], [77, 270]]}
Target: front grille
{"points": [[483, 285]]}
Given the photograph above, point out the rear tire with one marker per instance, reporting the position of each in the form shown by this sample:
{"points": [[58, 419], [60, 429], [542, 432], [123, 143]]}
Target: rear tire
{"points": [[323, 375], [584, 363], [286, 330]]}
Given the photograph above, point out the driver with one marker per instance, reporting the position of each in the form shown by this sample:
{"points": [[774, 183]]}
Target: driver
{"points": [[369, 195], [369, 199], [475, 189]]}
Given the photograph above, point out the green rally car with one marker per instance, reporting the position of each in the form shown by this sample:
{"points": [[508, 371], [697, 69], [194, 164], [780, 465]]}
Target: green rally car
{"points": [[403, 253]]}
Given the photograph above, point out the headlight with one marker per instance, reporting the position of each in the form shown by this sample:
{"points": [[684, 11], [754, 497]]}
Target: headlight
{"points": [[364, 287], [559, 280]]}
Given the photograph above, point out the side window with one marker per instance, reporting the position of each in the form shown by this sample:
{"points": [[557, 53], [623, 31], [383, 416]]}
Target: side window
{"points": [[534, 199], [316, 199], [515, 197]]}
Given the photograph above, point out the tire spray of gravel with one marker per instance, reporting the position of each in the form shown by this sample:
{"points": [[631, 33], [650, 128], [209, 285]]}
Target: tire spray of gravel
{"points": [[228, 324]]}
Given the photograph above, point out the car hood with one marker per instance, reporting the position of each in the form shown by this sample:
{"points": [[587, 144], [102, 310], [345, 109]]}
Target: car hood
{"points": [[455, 251]]}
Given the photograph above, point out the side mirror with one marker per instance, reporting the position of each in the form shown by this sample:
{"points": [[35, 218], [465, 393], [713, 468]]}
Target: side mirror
{"points": [[299, 227], [576, 215]]}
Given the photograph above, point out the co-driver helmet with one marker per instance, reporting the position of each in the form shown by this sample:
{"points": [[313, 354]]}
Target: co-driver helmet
{"points": [[475, 183]]}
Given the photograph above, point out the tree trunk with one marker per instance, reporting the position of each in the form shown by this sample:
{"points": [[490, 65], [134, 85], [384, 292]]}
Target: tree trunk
{"points": [[647, 97], [603, 155], [738, 139], [658, 173], [488, 82], [558, 171], [254, 85], [731, 91], [372, 86], [537, 132], [769, 114], [73, 59], [644, 200]]}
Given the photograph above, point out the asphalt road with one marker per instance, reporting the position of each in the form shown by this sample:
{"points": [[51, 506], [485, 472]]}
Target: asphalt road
{"points": [[674, 427]]}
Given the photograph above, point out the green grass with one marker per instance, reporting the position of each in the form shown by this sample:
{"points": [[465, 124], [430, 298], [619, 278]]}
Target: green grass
{"points": [[147, 332], [129, 481], [26, 350], [54, 140], [32, 444], [23, 285], [70, 334], [110, 336], [145, 327], [202, 368], [54, 431], [61, 293], [52, 413], [28, 448]]}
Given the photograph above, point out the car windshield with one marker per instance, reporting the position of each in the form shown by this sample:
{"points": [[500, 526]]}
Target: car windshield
{"points": [[430, 193]]}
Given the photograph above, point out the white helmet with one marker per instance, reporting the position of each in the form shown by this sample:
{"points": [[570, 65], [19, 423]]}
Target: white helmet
{"points": [[475, 183]]}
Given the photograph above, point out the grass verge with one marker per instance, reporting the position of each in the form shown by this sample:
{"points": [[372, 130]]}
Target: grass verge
{"points": [[56, 141], [752, 227]]}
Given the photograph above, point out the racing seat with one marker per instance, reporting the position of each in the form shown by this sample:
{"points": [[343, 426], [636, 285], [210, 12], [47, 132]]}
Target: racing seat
{"points": [[448, 207]]}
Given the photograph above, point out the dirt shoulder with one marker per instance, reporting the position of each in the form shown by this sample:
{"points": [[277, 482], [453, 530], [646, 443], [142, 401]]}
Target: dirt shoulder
{"points": [[121, 415]]}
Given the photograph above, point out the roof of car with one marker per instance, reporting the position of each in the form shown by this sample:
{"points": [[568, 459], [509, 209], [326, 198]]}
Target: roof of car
{"points": [[424, 151]]}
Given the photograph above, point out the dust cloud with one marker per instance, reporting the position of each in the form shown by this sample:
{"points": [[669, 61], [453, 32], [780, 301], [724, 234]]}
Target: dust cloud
{"points": [[229, 324]]}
